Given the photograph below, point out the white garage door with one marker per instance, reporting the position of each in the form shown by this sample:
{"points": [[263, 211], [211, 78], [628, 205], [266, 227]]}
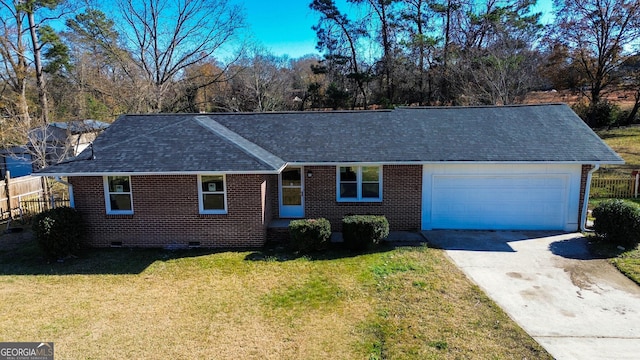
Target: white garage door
{"points": [[499, 202]]}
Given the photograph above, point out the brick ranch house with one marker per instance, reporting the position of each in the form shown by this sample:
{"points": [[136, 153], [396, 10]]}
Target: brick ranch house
{"points": [[219, 180]]}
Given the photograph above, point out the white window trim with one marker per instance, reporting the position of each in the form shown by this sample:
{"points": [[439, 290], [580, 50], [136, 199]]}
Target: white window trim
{"points": [[107, 197], [201, 196], [359, 198]]}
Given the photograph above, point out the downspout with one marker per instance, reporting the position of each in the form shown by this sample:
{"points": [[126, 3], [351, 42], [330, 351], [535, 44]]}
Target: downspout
{"points": [[585, 202], [72, 202]]}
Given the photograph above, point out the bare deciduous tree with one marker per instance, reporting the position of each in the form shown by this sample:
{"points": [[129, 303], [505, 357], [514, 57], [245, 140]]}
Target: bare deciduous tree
{"points": [[495, 61], [338, 36], [600, 34], [263, 80], [164, 37], [382, 14], [14, 72]]}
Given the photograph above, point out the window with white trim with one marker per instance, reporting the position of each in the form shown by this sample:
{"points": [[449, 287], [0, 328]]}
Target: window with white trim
{"points": [[118, 195], [360, 183], [212, 194]]}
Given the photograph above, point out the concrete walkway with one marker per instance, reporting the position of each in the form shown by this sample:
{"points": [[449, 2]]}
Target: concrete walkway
{"points": [[575, 306]]}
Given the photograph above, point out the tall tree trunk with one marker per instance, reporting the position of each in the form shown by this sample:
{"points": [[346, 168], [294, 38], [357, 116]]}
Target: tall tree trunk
{"points": [[19, 79], [23, 106], [596, 90], [37, 55], [386, 44], [421, 54], [634, 110], [425, 79], [444, 81], [356, 71]]}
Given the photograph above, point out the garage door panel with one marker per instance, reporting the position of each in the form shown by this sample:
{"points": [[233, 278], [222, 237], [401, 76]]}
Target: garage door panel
{"points": [[499, 201]]}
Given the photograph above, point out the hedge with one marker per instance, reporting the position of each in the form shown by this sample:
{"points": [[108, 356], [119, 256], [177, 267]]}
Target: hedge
{"points": [[361, 231], [309, 234], [617, 221], [59, 231]]}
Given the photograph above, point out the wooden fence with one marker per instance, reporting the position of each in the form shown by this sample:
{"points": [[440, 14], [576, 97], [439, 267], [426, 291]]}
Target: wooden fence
{"points": [[609, 186], [14, 191]]}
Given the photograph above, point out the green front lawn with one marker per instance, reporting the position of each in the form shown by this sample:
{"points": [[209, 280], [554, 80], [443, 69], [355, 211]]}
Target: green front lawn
{"points": [[629, 264], [626, 260], [395, 303], [626, 142]]}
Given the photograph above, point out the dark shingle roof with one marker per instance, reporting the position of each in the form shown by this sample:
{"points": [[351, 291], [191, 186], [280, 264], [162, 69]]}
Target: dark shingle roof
{"points": [[248, 142], [163, 143]]}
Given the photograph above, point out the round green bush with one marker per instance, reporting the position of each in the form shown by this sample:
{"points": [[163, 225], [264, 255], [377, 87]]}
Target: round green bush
{"points": [[309, 234], [597, 115], [361, 231], [59, 231], [617, 221]]}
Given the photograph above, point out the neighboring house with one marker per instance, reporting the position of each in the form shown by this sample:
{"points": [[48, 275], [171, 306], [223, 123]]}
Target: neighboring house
{"points": [[60, 140], [219, 180], [79, 134], [17, 160], [53, 142]]}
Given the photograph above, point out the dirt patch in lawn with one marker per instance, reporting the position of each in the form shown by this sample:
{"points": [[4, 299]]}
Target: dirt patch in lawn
{"points": [[15, 237]]}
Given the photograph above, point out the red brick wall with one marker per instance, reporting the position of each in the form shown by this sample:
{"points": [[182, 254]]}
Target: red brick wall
{"points": [[273, 197], [166, 208], [401, 197], [271, 200], [166, 212]]}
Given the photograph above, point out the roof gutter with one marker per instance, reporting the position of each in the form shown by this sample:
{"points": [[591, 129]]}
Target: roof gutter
{"points": [[278, 170], [72, 202], [585, 202], [154, 173]]}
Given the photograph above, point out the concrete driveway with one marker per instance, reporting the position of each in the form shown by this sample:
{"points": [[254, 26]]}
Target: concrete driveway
{"points": [[575, 306]]}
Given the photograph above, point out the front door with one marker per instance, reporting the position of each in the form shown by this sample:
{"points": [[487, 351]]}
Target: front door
{"points": [[292, 193]]}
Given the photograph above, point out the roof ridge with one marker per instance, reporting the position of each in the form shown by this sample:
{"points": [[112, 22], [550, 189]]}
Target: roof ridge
{"points": [[258, 113], [478, 106], [247, 146], [292, 112]]}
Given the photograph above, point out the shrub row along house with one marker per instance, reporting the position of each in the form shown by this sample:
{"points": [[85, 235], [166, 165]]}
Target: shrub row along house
{"points": [[219, 180]]}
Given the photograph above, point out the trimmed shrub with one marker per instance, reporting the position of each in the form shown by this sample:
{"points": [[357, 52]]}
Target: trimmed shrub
{"points": [[618, 221], [59, 231], [309, 234], [361, 231], [622, 118], [597, 115]]}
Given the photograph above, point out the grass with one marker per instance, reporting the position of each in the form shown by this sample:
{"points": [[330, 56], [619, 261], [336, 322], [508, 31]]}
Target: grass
{"points": [[395, 303], [629, 264], [626, 260], [626, 142]]}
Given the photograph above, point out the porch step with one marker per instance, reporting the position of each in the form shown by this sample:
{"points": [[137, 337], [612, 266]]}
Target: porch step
{"points": [[279, 223], [278, 231]]}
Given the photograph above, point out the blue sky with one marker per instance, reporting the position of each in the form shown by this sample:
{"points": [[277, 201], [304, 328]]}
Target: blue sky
{"points": [[284, 26]]}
